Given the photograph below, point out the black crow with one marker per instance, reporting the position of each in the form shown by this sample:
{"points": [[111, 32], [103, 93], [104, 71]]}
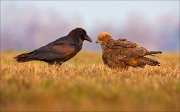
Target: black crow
{"points": [[58, 51]]}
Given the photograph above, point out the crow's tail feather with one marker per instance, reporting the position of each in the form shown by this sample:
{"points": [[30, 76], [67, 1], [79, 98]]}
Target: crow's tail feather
{"points": [[23, 57]]}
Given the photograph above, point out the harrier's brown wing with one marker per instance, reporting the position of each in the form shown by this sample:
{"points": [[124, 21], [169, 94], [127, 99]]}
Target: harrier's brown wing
{"points": [[126, 49]]}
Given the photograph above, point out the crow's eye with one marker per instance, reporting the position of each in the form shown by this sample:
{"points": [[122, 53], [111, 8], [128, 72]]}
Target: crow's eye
{"points": [[82, 35]]}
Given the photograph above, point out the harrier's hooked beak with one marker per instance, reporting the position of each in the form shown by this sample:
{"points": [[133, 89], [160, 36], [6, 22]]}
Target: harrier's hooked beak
{"points": [[87, 38], [98, 41]]}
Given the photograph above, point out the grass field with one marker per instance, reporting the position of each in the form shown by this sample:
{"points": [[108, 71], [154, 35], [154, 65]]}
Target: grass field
{"points": [[84, 83]]}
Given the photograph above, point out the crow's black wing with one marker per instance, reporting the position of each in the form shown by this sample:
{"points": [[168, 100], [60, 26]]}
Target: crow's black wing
{"points": [[62, 48]]}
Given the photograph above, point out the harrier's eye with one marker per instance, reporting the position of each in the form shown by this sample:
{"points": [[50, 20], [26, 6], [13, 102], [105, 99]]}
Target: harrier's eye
{"points": [[102, 39]]}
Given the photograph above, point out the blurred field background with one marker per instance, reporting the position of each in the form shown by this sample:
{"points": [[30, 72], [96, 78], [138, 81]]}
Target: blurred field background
{"points": [[84, 83]]}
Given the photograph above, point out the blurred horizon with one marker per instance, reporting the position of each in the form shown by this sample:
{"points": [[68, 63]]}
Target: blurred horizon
{"points": [[32, 24]]}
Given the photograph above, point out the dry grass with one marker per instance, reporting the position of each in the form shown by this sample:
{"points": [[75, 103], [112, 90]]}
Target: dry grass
{"points": [[84, 83]]}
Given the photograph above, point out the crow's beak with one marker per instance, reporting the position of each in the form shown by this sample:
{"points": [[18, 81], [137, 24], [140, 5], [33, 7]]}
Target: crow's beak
{"points": [[88, 38]]}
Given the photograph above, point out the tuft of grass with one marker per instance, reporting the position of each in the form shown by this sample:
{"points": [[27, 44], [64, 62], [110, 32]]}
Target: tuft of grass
{"points": [[85, 83]]}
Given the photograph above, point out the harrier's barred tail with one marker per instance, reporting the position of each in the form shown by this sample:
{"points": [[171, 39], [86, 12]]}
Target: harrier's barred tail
{"points": [[23, 57], [153, 52], [150, 61]]}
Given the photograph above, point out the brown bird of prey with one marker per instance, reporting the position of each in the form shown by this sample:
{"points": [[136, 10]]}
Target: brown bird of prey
{"points": [[58, 51], [120, 54]]}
